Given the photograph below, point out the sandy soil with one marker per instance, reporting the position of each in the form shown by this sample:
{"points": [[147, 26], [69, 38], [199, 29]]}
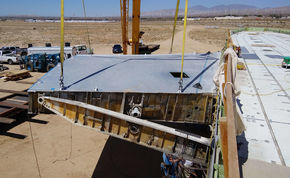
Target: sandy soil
{"points": [[53, 140], [53, 147], [56, 156], [12, 85], [104, 35]]}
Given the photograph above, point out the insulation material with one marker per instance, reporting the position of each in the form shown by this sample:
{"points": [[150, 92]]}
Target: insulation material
{"points": [[219, 80]]}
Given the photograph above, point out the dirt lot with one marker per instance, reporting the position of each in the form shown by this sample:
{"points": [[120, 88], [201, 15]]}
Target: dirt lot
{"points": [[63, 149], [104, 35]]}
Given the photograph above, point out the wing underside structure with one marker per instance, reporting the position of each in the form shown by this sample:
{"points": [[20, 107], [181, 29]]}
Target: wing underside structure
{"points": [[138, 105]]}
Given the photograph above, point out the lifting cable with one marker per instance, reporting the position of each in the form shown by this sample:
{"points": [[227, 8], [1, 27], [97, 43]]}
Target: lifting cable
{"points": [[174, 26], [183, 46], [33, 146], [61, 44], [85, 15]]}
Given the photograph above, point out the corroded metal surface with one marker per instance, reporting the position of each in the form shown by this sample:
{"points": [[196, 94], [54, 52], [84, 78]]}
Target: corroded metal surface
{"points": [[111, 121], [178, 108]]}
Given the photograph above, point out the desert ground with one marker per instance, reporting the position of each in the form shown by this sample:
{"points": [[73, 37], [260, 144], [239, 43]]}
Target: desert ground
{"points": [[64, 149], [104, 35]]}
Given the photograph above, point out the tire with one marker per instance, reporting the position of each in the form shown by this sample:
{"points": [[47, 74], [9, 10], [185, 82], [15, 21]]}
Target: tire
{"points": [[10, 61], [29, 66], [21, 65], [49, 67], [23, 54]]}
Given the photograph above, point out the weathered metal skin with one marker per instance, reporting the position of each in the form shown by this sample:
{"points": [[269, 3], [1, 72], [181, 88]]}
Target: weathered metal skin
{"points": [[133, 117], [179, 108]]}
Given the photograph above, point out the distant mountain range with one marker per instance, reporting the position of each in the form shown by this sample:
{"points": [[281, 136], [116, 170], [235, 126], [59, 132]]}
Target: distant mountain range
{"points": [[194, 11], [221, 10]]}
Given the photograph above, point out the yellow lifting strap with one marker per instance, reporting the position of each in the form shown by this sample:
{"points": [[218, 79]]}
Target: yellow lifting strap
{"points": [[174, 26], [183, 46], [61, 43]]}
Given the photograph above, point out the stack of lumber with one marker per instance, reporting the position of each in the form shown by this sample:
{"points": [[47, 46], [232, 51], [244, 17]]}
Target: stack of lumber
{"points": [[17, 75]]}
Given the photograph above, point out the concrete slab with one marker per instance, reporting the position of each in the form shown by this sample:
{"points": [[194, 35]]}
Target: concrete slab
{"points": [[266, 112], [260, 169]]}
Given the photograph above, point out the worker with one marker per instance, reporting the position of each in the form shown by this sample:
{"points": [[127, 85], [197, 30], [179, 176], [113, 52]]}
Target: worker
{"points": [[238, 51], [173, 167], [140, 39], [141, 33], [169, 166]]}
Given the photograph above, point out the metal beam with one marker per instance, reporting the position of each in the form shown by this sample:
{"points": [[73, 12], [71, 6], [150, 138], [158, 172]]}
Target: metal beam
{"points": [[142, 132], [124, 5], [5, 120], [189, 136], [13, 91], [13, 105], [135, 26]]}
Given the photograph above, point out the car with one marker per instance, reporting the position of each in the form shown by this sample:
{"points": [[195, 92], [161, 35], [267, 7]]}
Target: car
{"points": [[286, 62], [117, 48]]}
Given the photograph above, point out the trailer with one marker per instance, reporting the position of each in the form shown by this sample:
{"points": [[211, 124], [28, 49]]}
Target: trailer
{"points": [[68, 50]]}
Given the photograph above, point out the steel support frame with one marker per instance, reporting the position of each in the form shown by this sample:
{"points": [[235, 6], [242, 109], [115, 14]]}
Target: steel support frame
{"points": [[135, 26]]}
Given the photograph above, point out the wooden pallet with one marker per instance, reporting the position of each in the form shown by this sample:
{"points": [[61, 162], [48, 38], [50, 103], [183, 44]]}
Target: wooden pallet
{"points": [[17, 76]]}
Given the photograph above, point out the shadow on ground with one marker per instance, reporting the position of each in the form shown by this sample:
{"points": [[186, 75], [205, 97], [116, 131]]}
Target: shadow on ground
{"points": [[19, 119], [243, 152], [124, 159]]}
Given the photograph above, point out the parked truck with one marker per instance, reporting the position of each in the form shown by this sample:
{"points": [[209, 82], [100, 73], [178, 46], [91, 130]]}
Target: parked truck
{"points": [[8, 57], [15, 50], [68, 50]]}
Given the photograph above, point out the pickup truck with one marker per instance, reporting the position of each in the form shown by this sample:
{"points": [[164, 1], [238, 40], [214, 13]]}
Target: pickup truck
{"points": [[14, 50], [8, 57]]}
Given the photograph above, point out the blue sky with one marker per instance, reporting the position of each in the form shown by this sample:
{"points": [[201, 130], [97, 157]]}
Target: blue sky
{"points": [[111, 7]]}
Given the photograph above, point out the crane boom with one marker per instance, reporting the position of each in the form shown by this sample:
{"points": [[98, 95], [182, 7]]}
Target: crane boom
{"points": [[124, 7], [135, 26]]}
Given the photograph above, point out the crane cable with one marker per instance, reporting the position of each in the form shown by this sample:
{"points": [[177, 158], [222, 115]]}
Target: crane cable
{"points": [[85, 14], [183, 46], [61, 44], [174, 26]]}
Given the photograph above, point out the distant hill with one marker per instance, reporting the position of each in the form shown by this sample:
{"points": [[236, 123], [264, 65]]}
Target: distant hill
{"points": [[220, 10]]}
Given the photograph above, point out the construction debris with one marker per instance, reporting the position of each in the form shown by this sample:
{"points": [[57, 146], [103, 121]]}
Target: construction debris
{"points": [[17, 76], [2, 67]]}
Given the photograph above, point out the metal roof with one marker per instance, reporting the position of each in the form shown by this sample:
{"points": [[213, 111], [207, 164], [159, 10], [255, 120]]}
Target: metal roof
{"points": [[132, 73]]}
